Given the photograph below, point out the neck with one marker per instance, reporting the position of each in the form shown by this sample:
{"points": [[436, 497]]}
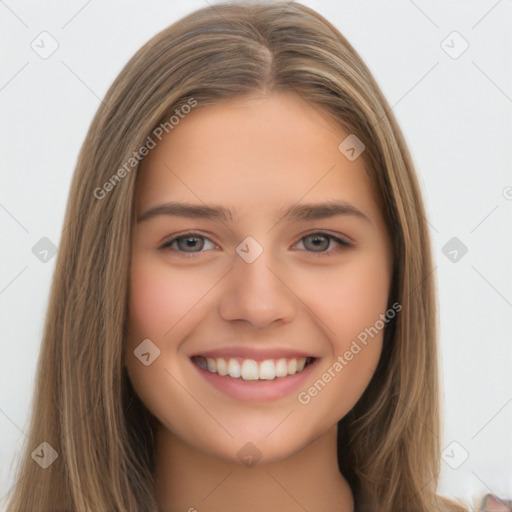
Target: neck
{"points": [[188, 480]]}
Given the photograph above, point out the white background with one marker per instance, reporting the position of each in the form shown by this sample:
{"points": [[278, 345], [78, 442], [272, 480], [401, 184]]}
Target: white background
{"points": [[456, 115]]}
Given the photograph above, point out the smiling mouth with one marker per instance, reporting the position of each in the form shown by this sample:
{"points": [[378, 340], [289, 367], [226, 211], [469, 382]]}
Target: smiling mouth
{"points": [[250, 369]]}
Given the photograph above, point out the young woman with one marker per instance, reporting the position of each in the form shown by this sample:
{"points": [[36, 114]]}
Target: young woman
{"points": [[243, 312]]}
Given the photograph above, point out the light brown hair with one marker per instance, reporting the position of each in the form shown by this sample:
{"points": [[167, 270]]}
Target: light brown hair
{"points": [[84, 405]]}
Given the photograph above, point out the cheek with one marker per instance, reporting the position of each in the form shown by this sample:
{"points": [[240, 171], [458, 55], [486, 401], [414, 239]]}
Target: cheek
{"points": [[364, 292], [350, 302], [161, 303], [351, 297], [160, 296]]}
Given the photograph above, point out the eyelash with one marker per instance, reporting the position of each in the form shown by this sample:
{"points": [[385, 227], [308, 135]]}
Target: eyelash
{"points": [[342, 244]]}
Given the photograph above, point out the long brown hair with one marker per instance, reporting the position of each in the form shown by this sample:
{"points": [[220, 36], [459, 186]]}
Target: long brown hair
{"points": [[84, 405]]}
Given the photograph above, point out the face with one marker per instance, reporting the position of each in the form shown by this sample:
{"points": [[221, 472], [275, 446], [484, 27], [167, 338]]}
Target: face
{"points": [[274, 310]]}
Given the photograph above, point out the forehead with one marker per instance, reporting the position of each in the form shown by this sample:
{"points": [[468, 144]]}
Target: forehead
{"points": [[258, 152]]}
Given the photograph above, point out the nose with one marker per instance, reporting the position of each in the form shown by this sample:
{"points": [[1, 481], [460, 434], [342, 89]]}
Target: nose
{"points": [[258, 293]]}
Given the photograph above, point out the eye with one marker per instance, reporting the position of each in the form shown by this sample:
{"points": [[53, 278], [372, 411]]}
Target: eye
{"points": [[186, 241], [322, 241]]}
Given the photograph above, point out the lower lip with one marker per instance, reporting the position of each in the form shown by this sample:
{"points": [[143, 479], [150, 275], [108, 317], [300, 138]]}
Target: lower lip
{"points": [[257, 390]]}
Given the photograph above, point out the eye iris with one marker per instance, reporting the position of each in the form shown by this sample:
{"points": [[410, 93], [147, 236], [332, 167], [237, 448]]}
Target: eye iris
{"points": [[190, 242], [324, 241]]}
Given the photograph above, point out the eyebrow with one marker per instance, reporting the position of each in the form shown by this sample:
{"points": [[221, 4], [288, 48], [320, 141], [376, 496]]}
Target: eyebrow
{"points": [[302, 212]]}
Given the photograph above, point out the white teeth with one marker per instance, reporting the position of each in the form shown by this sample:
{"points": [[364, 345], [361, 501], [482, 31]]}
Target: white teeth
{"points": [[292, 366], [250, 369], [222, 367], [267, 370], [234, 369], [212, 365], [281, 368]]}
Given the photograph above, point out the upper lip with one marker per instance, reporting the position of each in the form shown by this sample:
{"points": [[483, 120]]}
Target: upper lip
{"points": [[257, 354]]}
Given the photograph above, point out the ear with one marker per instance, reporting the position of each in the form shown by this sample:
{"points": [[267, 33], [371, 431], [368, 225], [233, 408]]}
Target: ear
{"points": [[492, 503]]}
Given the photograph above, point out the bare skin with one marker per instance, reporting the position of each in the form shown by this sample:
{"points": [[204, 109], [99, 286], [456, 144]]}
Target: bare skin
{"points": [[302, 293]]}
